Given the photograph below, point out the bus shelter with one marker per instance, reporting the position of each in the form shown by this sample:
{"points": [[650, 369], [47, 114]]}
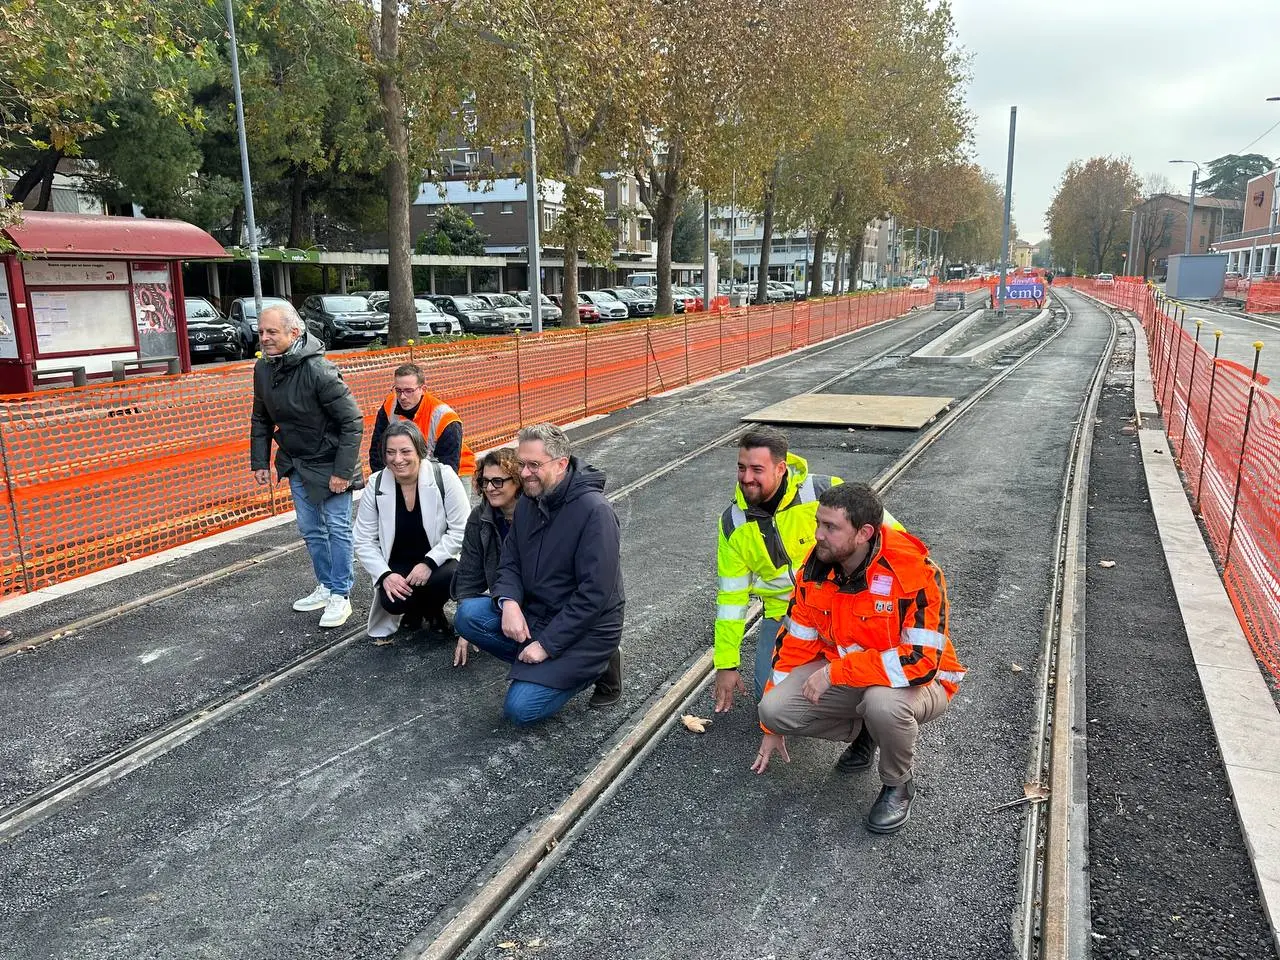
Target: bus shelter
{"points": [[87, 297]]}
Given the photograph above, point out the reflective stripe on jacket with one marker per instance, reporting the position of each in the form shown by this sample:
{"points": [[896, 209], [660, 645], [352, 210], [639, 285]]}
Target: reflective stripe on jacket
{"points": [[432, 417], [758, 552], [886, 626]]}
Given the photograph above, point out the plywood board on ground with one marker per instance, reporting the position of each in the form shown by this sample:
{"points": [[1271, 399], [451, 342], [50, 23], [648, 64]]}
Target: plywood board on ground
{"points": [[853, 410]]}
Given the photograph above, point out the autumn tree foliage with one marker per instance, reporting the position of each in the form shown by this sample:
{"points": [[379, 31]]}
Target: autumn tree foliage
{"points": [[1088, 217]]}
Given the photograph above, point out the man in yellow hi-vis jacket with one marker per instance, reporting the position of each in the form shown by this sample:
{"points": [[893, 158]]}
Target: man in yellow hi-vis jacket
{"points": [[764, 537]]}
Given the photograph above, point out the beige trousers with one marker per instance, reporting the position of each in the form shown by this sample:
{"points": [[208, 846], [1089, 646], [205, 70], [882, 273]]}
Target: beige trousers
{"points": [[892, 714]]}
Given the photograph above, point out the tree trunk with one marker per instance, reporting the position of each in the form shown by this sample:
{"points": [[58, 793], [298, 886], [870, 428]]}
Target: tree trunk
{"points": [[46, 189], [814, 268], [766, 239], [237, 224], [569, 295], [837, 284], [40, 171], [664, 225], [298, 233], [855, 261], [403, 324]]}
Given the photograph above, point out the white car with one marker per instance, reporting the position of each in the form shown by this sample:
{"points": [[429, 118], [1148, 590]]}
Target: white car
{"points": [[919, 283], [432, 321], [510, 308], [610, 307], [1106, 278]]}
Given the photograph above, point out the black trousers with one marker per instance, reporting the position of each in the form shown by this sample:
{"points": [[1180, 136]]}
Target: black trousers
{"points": [[426, 601]]}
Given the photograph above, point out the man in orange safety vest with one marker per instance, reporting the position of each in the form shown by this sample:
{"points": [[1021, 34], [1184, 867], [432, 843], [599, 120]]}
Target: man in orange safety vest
{"points": [[440, 425]]}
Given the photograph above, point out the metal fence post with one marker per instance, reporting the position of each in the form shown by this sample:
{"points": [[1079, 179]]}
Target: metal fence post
{"points": [[1208, 416], [1173, 378], [686, 345], [1244, 439], [586, 405], [720, 337], [645, 353], [1191, 389], [519, 385], [13, 515], [749, 312]]}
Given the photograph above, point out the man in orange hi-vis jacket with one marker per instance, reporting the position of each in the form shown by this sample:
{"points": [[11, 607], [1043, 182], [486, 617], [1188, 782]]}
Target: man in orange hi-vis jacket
{"points": [[865, 657]]}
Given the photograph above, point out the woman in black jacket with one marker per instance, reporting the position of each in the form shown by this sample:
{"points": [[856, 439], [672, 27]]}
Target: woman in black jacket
{"points": [[497, 480]]}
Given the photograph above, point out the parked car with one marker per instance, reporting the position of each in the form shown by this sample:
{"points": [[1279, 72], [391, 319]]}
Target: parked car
{"points": [[244, 316], [638, 304], [918, 283], [473, 314], [518, 313], [642, 280], [370, 295], [432, 321], [209, 333], [610, 307], [587, 311], [692, 298], [1106, 278], [551, 312], [343, 319]]}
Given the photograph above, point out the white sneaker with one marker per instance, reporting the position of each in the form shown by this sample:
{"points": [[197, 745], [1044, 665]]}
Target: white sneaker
{"points": [[315, 600], [336, 611]]}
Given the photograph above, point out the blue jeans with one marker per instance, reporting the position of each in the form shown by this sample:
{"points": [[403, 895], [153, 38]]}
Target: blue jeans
{"points": [[766, 633], [326, 528], [527, 702]]}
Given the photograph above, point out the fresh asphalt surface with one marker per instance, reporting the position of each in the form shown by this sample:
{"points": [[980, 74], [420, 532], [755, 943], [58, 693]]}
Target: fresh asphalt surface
{"points": [[703, 858], [1169, 872], [340, 814]]}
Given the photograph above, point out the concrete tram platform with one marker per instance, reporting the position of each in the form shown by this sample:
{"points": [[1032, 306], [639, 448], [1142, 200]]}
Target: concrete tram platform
{"points": [[344, 814]]}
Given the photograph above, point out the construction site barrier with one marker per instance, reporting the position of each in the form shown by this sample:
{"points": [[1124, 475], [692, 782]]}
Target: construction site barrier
{"points": [[98, 475], [1263, 297], [1223, 427]]}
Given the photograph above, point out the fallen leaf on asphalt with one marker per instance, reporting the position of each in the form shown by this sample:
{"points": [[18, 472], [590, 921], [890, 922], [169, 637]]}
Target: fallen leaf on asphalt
{"points": [[696, 724], [535, 942], [1106, 563], [509, 945], [1016, 668], [1035, 791], [383, 642]]}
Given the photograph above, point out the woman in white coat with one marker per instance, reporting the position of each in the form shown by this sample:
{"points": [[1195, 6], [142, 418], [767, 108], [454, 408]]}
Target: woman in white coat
{"points": [[408, 532]]}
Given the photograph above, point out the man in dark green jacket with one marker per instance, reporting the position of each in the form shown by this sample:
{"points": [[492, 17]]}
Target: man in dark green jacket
{"points": [[301, 402]]}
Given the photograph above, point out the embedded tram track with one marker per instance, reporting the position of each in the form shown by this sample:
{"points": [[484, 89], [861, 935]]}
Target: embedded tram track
{"points": [[45, 801], [1054, 852], [98, 618]]}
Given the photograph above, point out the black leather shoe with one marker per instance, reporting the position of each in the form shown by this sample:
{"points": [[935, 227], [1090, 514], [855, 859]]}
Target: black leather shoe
{"points": [[410, 624], [892, 808], [859, 754], [608, 689]]}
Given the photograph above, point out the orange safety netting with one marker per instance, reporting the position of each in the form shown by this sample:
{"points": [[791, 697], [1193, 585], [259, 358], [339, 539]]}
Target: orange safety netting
{"points": [[97, 475], [1263, 297], [1224, 428]]}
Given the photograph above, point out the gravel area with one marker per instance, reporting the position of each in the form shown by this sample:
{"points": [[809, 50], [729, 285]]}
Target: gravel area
{"points": [[1169, 872]]}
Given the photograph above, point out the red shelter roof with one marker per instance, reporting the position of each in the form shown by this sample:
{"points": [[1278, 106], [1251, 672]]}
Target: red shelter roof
{"points": [[78, 235]]}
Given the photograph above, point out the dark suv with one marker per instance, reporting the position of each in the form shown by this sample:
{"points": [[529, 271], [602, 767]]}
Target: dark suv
{"points": [[474, 314], [639, 304], [342, 319], [209, 333]]}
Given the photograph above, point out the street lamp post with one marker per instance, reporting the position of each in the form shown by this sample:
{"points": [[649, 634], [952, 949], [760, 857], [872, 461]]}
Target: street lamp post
{"points": [[1191, 202], [531, 202], [255, 270]]}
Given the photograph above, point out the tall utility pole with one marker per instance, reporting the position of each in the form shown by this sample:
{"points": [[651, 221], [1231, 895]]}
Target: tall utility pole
{"points": [[255, 271], [1191, 201], [531, 203], [1008, 208], [1133, 230]]}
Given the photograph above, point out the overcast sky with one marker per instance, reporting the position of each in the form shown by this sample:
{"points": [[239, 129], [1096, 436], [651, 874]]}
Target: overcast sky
{"points": [[1092, 78]]}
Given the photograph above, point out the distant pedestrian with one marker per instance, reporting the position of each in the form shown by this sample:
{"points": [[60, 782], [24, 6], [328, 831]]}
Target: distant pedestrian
{"points": [[557, 611], [301, 403], [866, 655], [408, 532], [439, 423]]}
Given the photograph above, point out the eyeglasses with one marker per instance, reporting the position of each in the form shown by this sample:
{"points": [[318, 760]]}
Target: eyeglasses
{"points": [[495, 482], [533, 466], [405, 391]]}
